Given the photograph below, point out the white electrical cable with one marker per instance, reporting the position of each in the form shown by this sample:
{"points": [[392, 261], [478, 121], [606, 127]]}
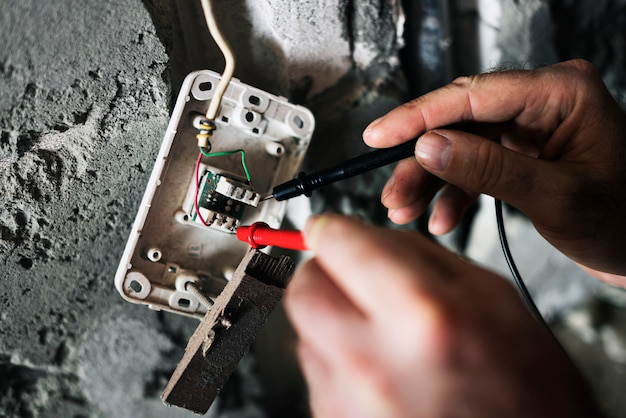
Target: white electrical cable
{"points": [[229, 58]]}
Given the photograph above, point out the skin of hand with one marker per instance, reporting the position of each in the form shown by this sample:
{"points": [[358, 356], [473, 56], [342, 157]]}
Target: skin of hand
{"points": [[392, 325], [551, 142]]}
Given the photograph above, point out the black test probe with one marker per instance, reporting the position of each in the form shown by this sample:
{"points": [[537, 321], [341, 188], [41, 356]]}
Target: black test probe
{"points": [[306, 183]]}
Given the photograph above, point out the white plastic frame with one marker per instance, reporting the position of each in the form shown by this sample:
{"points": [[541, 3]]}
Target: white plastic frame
{"points": [[164, 252]]}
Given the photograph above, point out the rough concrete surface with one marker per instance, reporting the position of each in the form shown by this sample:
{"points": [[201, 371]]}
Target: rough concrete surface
{"points": [[85, 92], [85, 101]]}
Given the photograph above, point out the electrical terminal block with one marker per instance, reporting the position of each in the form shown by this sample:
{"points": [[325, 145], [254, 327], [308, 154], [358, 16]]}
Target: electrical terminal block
{"points": [[237, 191], [217, 221], [220, 203]]}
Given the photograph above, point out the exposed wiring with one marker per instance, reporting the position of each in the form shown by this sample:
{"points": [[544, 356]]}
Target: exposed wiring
{"points": [[203, 153], [513, 268], [224, 153], [229, 59], [207, 126], [205, 132]]}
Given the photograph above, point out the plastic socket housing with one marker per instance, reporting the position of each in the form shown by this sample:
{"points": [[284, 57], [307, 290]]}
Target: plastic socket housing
{"points": [[166, 248]]}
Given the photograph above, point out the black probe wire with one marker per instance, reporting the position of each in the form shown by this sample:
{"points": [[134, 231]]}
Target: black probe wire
{"points": [[306, 183], [513, 268]]}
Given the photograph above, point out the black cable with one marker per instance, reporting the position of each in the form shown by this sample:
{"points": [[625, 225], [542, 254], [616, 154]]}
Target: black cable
{"points": [[509, 260]]}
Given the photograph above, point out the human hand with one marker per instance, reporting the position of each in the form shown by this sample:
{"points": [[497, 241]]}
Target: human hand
{"points": [[552, 143], [392, 325]]}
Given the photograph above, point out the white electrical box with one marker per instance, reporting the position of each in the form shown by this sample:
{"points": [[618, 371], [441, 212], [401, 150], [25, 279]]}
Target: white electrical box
{"points": [[185, 227]]}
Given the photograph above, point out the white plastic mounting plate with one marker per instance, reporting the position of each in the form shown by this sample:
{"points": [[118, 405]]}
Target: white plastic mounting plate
{"points": [[168, 247]]}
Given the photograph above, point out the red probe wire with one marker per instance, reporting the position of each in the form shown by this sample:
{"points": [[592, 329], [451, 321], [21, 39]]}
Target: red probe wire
{"points": [[260, 235]]}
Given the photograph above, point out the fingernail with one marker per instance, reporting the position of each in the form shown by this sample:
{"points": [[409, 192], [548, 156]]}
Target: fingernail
{"points": [[432, 221], [370, 128], [433, 151], [388, 188], [313, 229]]}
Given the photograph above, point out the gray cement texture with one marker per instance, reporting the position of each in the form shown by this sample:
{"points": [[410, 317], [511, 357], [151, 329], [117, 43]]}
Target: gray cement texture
{"points": [[86, 92]]}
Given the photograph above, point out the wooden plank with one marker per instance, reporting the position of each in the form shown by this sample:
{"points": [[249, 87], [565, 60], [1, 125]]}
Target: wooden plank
{"points": [[227, 330]]}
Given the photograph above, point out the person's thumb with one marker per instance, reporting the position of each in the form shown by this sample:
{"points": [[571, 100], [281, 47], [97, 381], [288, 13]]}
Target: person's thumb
{"points": [[479, 165]]}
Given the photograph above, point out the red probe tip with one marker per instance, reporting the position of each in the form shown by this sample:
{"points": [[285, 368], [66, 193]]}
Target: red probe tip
{"points": [[260, 235]]}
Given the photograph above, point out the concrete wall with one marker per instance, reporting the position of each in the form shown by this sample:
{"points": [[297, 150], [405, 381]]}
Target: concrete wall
{"points": [[85, 92]]}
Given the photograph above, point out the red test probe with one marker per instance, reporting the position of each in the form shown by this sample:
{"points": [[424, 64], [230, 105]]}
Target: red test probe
{"points": [[260, 235]]}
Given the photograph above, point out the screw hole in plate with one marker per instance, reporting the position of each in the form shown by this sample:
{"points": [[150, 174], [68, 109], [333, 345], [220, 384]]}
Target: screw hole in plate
{"points": [[298, 121], [254, 100], [205, 86], [136, 286]]}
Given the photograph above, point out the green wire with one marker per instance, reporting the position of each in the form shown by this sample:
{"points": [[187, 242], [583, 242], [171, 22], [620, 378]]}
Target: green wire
{"points": [[223, 153]]}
